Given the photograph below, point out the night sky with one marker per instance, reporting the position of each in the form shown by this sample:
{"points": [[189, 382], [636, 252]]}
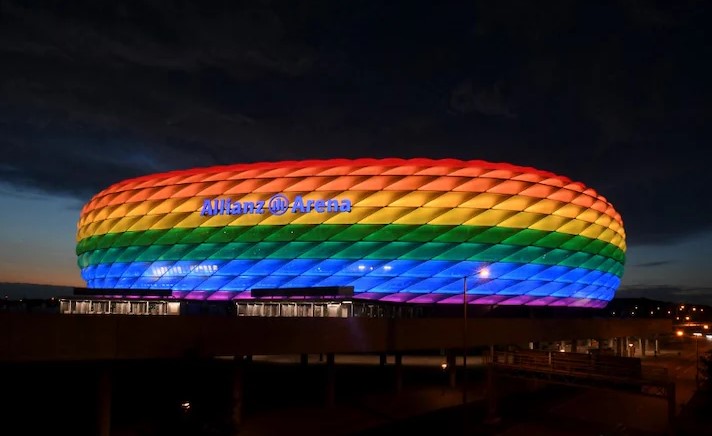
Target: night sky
{"points": [[613, 94]]}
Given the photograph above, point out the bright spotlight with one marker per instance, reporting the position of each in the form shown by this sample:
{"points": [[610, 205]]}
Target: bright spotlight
{"points": [[484, 273]]}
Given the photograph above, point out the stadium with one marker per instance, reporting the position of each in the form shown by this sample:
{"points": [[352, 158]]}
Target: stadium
{"points": [[416, 231]]}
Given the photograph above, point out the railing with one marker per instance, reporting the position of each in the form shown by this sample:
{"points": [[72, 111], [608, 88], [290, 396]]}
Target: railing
{"points": [[580, 370], [577, 364]]}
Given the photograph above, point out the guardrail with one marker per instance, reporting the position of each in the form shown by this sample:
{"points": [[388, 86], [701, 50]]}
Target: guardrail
{"points": [[588, 371], [578, 364]]}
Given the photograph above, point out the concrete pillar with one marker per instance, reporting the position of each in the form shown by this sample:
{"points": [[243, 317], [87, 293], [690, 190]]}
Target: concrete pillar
{"points": [[627, 347], [304, 359], [104, 389], [619, 347], [238, 390], [491, 416], [399, 372], [451, 368], [657, 350], [330, 380], [574, 346], [382, 359], [643, 347]]}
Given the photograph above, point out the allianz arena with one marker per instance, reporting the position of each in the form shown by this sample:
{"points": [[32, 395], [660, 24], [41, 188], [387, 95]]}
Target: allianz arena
{"points": [[398, 230]]}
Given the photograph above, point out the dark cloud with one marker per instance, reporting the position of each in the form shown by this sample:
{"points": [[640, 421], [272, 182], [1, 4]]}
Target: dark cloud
{"points": [[652, 264], [616, 96]]}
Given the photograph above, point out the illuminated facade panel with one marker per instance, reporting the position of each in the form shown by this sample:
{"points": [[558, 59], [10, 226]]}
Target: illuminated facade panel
{"points": [[404, 230]]}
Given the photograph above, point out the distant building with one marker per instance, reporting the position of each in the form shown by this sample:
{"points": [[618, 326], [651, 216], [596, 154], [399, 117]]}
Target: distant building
{"points": [[679, 313]]}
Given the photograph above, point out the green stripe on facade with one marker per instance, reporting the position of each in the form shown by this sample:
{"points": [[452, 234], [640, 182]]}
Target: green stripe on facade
{"points": [[352, 250], [355, 232]]}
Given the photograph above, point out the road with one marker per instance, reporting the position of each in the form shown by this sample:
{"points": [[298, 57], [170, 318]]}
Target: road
{"points": [[680, 361]]}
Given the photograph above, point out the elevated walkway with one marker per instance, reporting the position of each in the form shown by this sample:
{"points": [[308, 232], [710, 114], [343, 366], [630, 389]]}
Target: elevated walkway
{"points": [[52, 337]]}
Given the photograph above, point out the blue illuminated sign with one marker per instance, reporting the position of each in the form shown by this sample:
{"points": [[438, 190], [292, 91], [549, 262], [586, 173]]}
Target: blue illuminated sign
{"points": [[278, 204]]}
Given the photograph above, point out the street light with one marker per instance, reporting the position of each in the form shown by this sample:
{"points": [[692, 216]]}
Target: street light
{"points": [[697, 359]]}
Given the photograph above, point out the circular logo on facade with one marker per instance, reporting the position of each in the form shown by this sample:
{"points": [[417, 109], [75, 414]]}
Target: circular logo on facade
{"points": [[278, 204]]}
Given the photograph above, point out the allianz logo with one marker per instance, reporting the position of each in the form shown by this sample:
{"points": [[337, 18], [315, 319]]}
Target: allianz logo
{"points": [[278, 204]]}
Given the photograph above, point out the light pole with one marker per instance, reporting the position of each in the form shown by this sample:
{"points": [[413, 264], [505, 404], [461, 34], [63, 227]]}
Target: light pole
{"points": [[483, 273], [464, 341], [697, 360], [696, 337]]}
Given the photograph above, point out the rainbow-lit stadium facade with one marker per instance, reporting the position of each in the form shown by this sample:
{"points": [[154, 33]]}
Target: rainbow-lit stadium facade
{"points": [[403, 230]]}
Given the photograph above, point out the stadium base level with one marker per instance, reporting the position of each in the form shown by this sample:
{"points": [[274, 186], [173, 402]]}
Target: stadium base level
{"points": [[331, 303]]}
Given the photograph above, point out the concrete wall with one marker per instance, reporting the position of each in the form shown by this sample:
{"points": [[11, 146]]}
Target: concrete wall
{"points": [[37, 337]]}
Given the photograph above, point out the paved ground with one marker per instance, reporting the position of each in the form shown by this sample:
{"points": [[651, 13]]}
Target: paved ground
{"points": [[366, 413]]}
